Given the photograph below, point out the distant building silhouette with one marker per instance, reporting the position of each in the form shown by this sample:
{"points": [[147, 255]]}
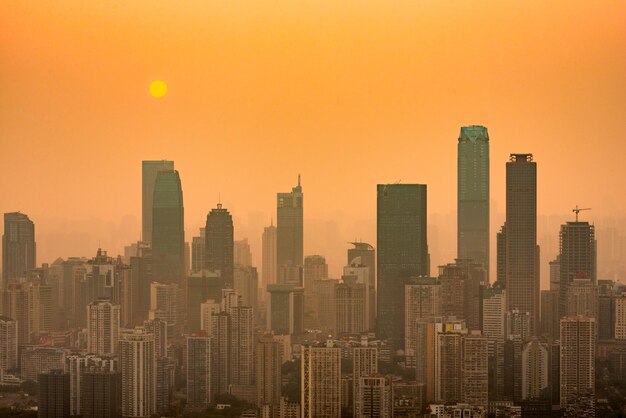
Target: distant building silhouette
{"points": [[219, 244], [290, 236], [54, 395], [269, 257], [19, 251], [149, 172]]}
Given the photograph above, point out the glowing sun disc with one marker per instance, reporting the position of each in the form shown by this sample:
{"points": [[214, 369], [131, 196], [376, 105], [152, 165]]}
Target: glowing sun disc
{"points": [[158, 89]]}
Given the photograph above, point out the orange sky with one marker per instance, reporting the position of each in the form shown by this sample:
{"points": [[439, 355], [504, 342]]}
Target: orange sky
{"points": [[347, 93]]}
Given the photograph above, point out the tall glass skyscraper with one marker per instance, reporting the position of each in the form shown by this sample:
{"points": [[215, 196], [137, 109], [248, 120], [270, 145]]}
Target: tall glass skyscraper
{"points": [[219, 244], [473, 195], [290, 236], [18, 247], [402, 252], [168, 234], [520, 238], [149, 171]]}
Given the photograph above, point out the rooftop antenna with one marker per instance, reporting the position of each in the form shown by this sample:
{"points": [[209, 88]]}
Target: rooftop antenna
{"points": [[576, 210], [298, 180]]}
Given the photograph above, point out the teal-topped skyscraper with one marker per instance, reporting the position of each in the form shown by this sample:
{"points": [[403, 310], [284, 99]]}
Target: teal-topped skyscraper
{"points": [[473, 195], [168, 234], [402, 252], [149, 171]]}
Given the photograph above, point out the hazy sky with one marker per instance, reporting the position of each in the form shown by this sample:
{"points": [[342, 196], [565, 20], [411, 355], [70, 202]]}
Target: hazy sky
{"points": [[347, 93]]}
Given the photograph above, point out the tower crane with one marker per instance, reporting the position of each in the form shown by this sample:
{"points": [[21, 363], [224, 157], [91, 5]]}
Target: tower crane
{"points": [[577, 210]]}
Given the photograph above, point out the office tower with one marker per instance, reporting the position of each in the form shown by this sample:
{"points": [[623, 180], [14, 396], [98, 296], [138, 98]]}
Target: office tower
{"points": [[326, 305], [8, 343], [285, 309], [501, 257], [402, 252], [73, 268], [289, 236], [54, 395], [462, 282], [201, 286], [198, 251], [199, 389], [269, 359], [164, 305], [158, 327], [140, 279], [473, 195], [100, 394], [103, 327], [550, 313], [522, 251], [578, 350], [512, 372], [581, 298], [37, 359], [15, 305], [362, 274], [269, 256], [219, 244], [422, 299], [367, 256], [138, 372], [517, 323], [577, 259], [620, 318], [364, 364], [321, 382], [242, 253], [493, 309], [246, 284], [535, 368], [350, 298], [19, 250], [373, 397], [77, 364], [168, 229], [475, 369], [149, 172]]}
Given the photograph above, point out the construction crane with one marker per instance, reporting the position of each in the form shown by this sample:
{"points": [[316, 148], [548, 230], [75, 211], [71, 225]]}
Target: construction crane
{"points": [[577, 210]]}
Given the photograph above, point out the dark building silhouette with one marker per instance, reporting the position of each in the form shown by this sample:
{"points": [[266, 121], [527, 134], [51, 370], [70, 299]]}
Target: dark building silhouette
{"points": [[100, 394], [218, 244], [19, 251], [168, 235], [520, 238], [201, 286], [402, 252], [54, 395], [473, 195], [461, 286], [290, 236], [149, 171]]}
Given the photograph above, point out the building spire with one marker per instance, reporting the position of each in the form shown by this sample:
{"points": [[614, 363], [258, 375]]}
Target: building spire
{"points": [[298, 180]]}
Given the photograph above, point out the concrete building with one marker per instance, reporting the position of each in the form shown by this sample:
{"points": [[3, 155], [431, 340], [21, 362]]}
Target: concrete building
{"points": [[219, 245], [103, 327], [535, 369], [35, 360], [350, 299], [373, 397], [365, 364], [578, 349], [321, 382], [149, 171], [54, 395], [19, 250], [138, 373], [200, 391], [270, 274], [422, 299], [290, 236], [242, 253], [8, 343], [269, 360], [164, 300], [101, 395]]}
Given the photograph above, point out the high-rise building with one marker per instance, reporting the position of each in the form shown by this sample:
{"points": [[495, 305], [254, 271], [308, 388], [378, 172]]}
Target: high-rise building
{"points": [[168, 229], [138, 372], [493, 309], [367, 256], [535, 368], [426, 367], [321, 382], [422, 299], [246, 284], [100, 394], [269, 256], [517, 323], [577, 258], [473, 195], [512, 368], [149, 172], [462, 282], [19, 252], [219, 244], [581, 298], [8, 343], [550, 313], [242, 253], [164, 305], [198, 251], [201, 286], [54, 395], [364, 364], [199, 388], [37, 359], [449, 358], [620, 318], [269, 360], [475, 369], [140, 279], [326, 305], [242, 345], [350, 298], [77, 364], [40, 309], [103, 327], [158, 327], [578, 352], [373, 397], [402, 252], [15, 306], [290, 236], [285, 309], [362, 274], [522, 251]]}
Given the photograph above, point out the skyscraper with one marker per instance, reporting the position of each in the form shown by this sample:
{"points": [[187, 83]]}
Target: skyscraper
{"points": [[138, 370], [168, 229], [373, 397], [522, 251], [100, 394], [350, 299], [473, 195], [535, 368], [198, 251], [103, 327], [422, 299], [219, 244], [321, 382], [164, 300], [364, 364], [199, 388], [577, 258], [269, 256], [269, 359], [242, 253], [578, 351], [290, 236], [149, 171], [402, 251], [54, 395], [8, 343], [18, 247]]}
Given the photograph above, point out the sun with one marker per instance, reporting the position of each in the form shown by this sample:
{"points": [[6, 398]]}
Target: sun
{"points": [[158, 89]]}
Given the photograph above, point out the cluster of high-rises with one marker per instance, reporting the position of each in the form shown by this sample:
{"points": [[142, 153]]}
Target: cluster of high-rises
{"points": [[174, 325]]}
